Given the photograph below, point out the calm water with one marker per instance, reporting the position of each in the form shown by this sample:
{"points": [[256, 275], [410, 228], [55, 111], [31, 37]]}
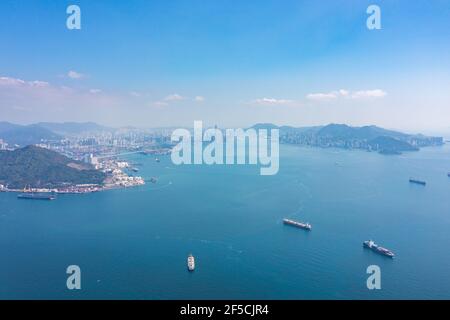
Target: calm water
{"points": [[133, 243]]}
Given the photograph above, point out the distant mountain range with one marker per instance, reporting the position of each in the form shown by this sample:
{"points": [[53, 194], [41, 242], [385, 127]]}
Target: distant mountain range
{"points": [[41, 168], [371, 138], [73, 127], [6, 126], [15, 134], [20, 135]]}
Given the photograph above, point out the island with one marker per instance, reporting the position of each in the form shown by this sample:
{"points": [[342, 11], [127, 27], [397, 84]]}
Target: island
{"points": [[38, 169], [370, 138]]}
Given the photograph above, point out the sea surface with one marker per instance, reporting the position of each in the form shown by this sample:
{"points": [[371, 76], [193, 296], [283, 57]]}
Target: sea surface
{"points": [[133, 243]]}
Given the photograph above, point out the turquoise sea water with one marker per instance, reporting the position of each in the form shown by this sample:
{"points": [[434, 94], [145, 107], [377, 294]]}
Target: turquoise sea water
{"points": [[133, 243]]}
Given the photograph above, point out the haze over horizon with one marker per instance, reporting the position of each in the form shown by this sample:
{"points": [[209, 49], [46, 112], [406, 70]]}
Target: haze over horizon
{"points": [[296, 63]]}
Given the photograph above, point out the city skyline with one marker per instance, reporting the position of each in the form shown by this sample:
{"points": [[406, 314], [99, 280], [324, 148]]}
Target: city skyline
{"points": [[150, 64]]}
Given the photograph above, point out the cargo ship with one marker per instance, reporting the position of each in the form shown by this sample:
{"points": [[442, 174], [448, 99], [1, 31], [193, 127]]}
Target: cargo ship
{"points": [[423, 183], [191, 262], [36, 196], [374, 247], [300, 225]]}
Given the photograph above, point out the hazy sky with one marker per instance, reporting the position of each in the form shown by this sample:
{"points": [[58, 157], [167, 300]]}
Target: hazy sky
{"points": [[228, 62]]}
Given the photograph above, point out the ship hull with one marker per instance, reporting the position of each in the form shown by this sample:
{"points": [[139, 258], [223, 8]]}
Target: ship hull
{"points": [[36, 197], [296, 224], [379, 250], [422, 183]]}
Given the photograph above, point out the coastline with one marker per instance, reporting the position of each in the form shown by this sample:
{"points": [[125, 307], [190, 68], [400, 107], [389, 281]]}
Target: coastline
{"points": [[72, 190], [116, 179]]}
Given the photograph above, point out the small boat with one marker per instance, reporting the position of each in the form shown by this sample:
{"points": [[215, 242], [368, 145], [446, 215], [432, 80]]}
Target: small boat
{"points": [[423, 183], [191, 262], [36, 196]]}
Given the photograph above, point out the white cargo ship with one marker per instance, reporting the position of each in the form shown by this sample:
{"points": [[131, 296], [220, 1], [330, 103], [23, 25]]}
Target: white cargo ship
{"points": [[191, 262]]}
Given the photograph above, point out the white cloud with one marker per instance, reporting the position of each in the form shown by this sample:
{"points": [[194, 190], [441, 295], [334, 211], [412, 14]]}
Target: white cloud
{"points": [[271, 101], [135, 94], [344, 93], [376, 93], [74, 75], [322, 96], [41, 95], [174, 97], [39, 84], [7, 81]]}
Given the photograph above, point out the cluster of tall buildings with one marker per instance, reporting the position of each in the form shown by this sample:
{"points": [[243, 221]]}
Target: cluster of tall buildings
{"points": [[3, 145]]}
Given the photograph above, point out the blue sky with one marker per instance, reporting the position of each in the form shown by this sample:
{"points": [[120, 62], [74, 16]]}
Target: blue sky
{"points": [[168, 63]]}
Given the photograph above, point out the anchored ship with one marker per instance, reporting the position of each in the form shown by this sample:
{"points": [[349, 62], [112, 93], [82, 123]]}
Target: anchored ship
{"points": [[297, 224], [417, 181], [36, 196], [191, 262], [374, 247]]}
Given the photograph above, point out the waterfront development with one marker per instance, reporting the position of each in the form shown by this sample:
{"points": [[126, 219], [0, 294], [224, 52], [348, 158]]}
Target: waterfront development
{"points": [[116, 177], [132, 243], [88, 157]]}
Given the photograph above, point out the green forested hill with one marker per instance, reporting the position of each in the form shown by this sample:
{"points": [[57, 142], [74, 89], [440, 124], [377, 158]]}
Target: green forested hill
{"points": [[38, 167]]}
